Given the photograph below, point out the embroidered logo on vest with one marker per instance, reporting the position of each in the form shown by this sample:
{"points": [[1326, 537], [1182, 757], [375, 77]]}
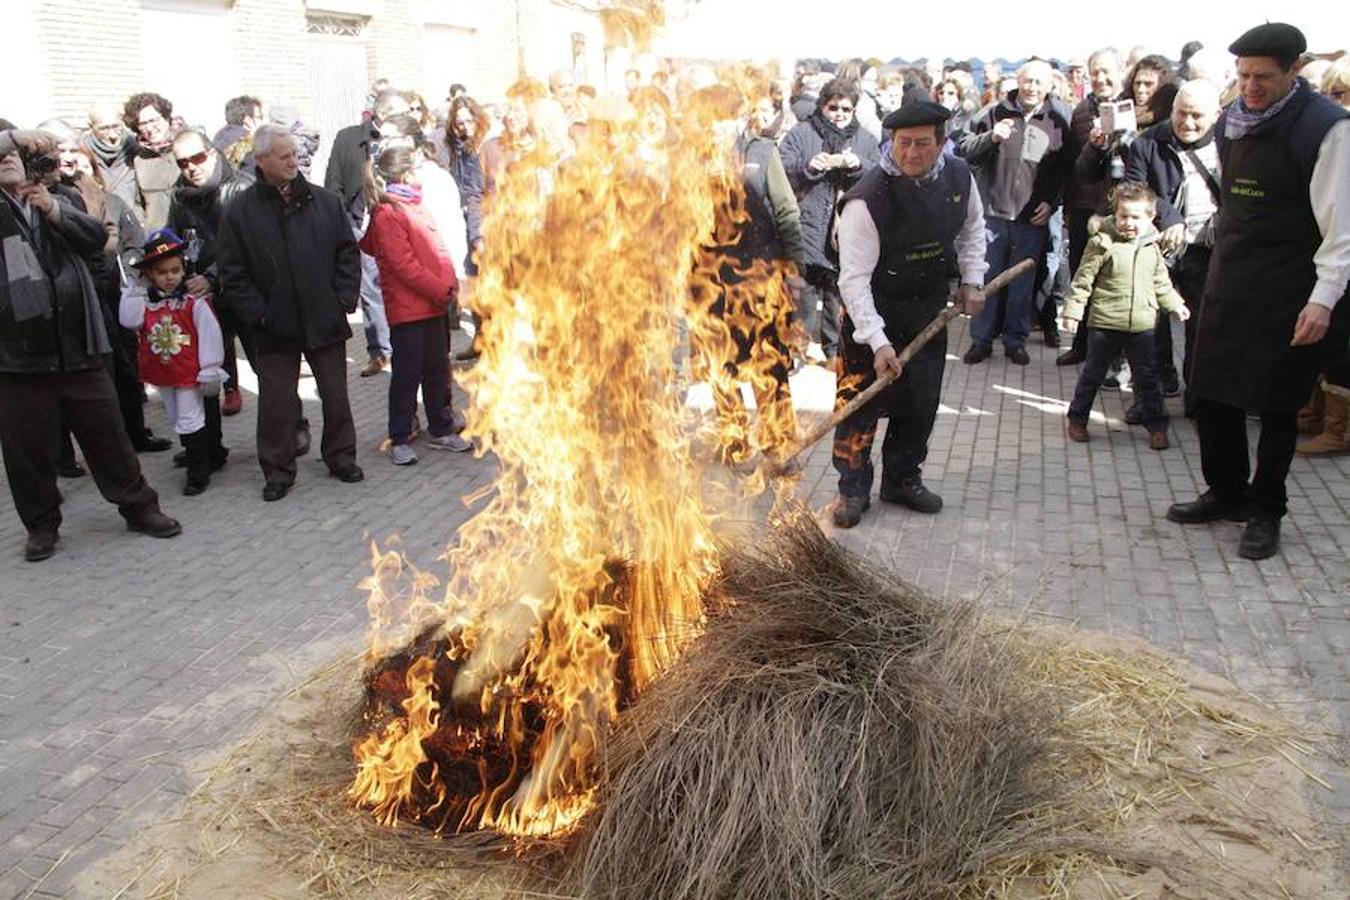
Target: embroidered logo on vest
{"points": [[166, 339], [1247, 187]]}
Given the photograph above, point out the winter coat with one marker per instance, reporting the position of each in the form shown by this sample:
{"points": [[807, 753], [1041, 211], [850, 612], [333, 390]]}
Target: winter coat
{"points": [[291, 272], [1029, 168], [1086, 188], [416, 275], [201, 209], [156, 174], [1126, 280], [1154, 159], [818, 192], [71, 334], [346, 175], [773, 229], [119, 175], [466, 168]]}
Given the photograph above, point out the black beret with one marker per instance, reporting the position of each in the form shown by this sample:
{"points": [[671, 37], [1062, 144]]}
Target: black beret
{"points": [[1271, 39], [917, 112]]}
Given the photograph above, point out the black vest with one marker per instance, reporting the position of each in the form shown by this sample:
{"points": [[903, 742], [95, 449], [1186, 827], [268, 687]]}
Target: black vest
{"points": [[1262, 271], [918, 225]]}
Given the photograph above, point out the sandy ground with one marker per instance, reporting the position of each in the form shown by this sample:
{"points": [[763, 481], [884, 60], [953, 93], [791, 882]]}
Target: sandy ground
{"points": [[1227, 817]]}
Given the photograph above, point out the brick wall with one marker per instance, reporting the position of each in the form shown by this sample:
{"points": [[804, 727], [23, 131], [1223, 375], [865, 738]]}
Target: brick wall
{"points": [[91, 56], [272, 51]]}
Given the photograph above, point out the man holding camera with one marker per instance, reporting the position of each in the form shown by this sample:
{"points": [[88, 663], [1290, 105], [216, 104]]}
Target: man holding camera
{"points": [[53, 340], [1273, 311]]}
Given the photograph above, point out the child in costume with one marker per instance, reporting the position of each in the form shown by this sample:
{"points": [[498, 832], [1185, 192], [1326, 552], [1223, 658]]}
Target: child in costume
{"points": [[181, 351]]}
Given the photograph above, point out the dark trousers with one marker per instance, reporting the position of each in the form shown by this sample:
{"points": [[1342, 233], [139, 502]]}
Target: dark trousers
{"points": [[419, 360], [32, 408], [910, 403], [229, 330], [1008, 244], [278, 400], [1104, 347], [824, 286], [1077, 218], [127, 382], [1223, 454]]}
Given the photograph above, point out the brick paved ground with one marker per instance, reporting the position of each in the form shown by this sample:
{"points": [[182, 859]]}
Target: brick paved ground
{"points": [[124, 657]]}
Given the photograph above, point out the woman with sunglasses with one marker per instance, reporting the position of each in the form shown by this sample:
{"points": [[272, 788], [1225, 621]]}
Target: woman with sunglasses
{"points": [[824, 156]]}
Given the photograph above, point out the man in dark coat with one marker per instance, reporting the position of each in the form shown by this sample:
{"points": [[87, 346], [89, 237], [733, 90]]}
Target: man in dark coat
{"points": [[824, 156], [353, 147], [1178, 160], [53, 344], [1274, 309], [912, 228], [290, 273], [1019, 149], [207, 185]]}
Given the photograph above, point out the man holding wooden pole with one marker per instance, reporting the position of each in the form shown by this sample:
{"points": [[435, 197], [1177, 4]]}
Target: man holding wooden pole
{"points": [[907, 231]]}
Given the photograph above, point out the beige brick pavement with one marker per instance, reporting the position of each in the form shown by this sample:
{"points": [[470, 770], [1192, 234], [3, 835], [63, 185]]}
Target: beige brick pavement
{"points": [[122, 658]]}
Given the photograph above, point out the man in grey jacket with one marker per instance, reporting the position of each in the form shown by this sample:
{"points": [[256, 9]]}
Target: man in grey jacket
{"points": [[1019, 148]]}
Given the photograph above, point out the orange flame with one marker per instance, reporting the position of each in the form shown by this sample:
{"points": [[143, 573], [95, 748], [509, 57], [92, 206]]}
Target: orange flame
{"points": [[582, 578]]}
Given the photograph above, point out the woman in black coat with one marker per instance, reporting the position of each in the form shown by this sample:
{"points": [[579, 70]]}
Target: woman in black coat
{"points": [[824, 156]]}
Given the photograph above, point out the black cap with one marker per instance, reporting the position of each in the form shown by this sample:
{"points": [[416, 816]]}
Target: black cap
{"points": [[1284, 42], [915, 113]]}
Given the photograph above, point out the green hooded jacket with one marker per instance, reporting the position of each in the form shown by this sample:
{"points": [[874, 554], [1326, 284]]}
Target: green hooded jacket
{"points": [[1127, 281]]}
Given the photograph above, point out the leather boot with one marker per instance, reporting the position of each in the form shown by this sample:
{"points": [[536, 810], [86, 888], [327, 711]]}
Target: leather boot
{"points": [[1310, 416], [198, 463], [1335, 436], [217, 454]]}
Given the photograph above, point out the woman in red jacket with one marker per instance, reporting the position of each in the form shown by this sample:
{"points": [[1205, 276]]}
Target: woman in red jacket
{"points": [[418, 281]]}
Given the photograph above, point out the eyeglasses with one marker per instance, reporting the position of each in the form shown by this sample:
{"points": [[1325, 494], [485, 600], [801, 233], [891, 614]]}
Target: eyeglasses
{"points": [[834, 107], [195, 160], [149, 120]]}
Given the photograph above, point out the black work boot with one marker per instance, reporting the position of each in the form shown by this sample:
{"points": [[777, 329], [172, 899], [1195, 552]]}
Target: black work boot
{"points": [[1208, 507], [848, 510], [911, 492], [1261, 537], [217, 454], [198, 462]]}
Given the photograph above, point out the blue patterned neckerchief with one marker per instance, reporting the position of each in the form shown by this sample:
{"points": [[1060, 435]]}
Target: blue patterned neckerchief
{"points": [[1239, 120], [890, 168]]}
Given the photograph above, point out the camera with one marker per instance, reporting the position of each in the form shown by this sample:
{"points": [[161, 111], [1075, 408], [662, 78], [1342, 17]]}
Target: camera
{"points": [[1119, 122], [37, 167]]}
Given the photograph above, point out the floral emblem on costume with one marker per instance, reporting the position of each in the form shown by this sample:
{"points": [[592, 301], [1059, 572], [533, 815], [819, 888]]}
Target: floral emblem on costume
{"points": [[167, 339]]}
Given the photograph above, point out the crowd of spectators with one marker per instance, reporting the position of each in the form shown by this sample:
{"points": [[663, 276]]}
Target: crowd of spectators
{"points": [[394, 225]]}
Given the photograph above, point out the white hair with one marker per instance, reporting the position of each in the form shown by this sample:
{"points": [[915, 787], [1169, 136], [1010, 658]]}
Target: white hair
{"points": [[1203, 91], [1035, 67], [266, 136], [1104, 51], [60, 128], [1213, 65]]}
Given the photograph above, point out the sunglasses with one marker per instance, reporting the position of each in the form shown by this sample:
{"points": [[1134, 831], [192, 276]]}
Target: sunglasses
{"points": [[834, 107], [196, 160]]}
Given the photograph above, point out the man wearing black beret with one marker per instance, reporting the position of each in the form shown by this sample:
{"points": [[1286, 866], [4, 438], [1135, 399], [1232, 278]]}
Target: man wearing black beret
{"points": [[909, 229], [1273, 311]]}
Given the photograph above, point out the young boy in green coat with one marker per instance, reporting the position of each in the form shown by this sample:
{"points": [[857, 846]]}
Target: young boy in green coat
{"points": [[1124, 274]]}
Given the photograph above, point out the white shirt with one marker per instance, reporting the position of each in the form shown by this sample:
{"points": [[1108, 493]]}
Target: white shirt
{"points": [[860, 251], [1329, 193]]}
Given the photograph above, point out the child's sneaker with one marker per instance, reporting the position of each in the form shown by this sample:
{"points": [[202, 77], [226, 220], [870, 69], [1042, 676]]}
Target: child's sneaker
{"points": [[403, 455], [452, 442]]}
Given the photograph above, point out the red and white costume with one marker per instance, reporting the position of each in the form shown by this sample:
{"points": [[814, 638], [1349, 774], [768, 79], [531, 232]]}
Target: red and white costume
{"points": [[181, 348]]}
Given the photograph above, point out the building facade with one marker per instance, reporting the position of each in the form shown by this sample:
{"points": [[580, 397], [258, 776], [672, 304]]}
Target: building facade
{"points": [[318, 56]]}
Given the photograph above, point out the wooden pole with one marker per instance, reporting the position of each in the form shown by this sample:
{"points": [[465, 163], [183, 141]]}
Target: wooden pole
{"points": [[930, 331]]}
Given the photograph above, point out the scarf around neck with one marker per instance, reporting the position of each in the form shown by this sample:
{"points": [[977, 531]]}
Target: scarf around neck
{"points": [[836, 139], [1239, 120], [407, 193], [111, 154], [890, 168]]}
